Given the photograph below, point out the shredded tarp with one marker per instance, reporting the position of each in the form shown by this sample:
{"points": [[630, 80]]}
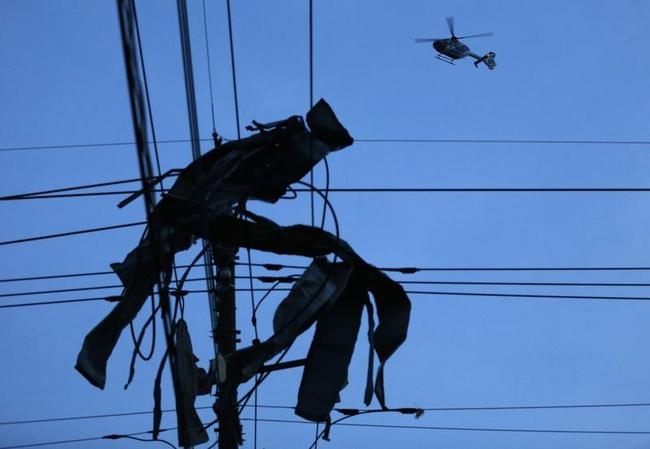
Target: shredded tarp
{"points": [[330, 294], [261, 166], [392, 304]]}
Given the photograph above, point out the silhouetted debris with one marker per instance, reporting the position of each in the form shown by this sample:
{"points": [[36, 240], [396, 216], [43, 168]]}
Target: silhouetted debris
{"points": [[333, 295], [190, 425]]}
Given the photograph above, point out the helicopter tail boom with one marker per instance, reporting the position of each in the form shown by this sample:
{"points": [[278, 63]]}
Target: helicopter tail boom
{"points": [[487, 59]]}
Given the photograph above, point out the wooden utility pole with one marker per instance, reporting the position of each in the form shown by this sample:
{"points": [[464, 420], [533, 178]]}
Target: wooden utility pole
{"points": [[225, 338]]}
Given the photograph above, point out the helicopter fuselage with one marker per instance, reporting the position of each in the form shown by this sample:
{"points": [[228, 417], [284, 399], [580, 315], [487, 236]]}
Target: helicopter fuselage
{"points": [[452, 48]]}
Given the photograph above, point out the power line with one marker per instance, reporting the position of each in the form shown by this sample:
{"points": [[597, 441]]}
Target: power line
{"points": [[288, 407], [481, 189], [90, 145], [382, 190], [482, 294], [52, 443], [367, 425], [57, 276], [467, 429], [410, 292], [530, 296], [538, 284], [512, 141], [55, 291], [412, 270], [403, 270], [48, 303], [536, 407], [115, 415], [233, 69], [84, 440], [69, 189], [75, 195], [365, 140], [290, 280], [70, 233], [207, 55]]}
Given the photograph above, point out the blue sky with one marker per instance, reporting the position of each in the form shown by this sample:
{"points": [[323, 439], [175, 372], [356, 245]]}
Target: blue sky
{"points": [[567, 71]]}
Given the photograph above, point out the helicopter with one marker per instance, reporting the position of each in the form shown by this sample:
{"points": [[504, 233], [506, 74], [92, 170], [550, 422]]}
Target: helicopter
{"points": [[452, 48]]}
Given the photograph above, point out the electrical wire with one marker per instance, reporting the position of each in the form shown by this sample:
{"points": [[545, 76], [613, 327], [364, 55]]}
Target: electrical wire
{"points": [[376, 190], [311, 101], [157, 440], [512, 141], [530, 296], [412, 270], [405, 270], [84, 440], [47, 303], [233, 69], [366, 425], [70, 233], [90, 145], [543, 284], [482, 189], [55, 291], [480, 429], [410, 292], [291, 279], [530, 407], [154, 140], [365, 140], [57, 276], [326, 191], [68, 189], [207, 56]]}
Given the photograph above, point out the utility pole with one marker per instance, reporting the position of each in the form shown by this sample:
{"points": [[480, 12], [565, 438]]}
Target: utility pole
{"points": [[225, 338]]}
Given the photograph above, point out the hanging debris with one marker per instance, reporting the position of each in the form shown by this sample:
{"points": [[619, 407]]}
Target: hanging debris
{"points": [[261, 166], [347, 285], [331, 295]]}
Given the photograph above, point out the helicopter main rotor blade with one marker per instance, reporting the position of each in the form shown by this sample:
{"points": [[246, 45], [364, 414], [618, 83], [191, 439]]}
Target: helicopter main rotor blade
{"points": [[422, 39], [476, 35], [450, 24]]}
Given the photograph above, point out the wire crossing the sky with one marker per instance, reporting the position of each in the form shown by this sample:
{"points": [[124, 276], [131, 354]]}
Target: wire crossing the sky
{"points": [[581, 142]]}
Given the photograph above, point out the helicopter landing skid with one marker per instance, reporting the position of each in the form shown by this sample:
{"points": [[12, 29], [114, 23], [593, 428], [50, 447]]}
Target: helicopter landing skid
{"points": [[444, 58]]}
